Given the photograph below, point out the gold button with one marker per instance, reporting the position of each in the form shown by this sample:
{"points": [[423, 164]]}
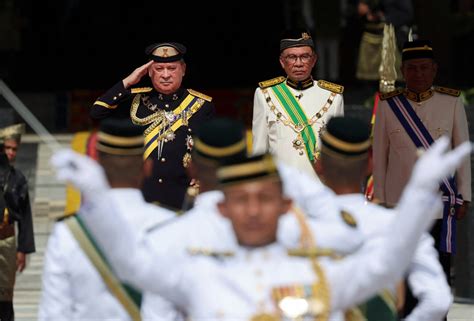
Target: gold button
{"points": [[167, 105], [160, 180], [115, 98], [189, 129], [120, 94], [163, 159]]}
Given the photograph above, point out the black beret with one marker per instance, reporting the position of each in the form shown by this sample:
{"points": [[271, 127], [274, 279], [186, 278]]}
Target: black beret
{"points": [[249, 169], [119, 136], [165, 51], [346, 136], [222, 140], [295, 38], [417, 49]]}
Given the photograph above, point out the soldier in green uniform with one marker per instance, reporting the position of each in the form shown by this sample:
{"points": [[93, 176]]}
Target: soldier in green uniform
{"points": [[171, 114]]}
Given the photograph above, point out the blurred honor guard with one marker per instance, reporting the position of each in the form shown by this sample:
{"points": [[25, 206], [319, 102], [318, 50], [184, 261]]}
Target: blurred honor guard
{"points": [[289, 112], [78, 284], [407, 122], [170, 114], [14, 207], [345, 153]]}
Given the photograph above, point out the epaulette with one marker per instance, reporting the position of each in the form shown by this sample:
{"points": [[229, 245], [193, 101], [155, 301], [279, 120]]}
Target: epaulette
{"points": [[391, 94], [63, 217], [197, 251], [335, 88], [200, 95], [448, 91], [141, 90], [272, 82]]}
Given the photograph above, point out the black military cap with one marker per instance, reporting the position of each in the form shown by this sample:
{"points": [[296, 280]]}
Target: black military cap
{"points": [[295, 38], [166, 51], [221, 140], [346, 137], [119, 136], [252, 168], [417, 49]]}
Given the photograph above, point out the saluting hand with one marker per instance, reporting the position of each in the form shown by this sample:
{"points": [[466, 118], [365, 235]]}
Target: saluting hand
{"points": [[136, 75]]}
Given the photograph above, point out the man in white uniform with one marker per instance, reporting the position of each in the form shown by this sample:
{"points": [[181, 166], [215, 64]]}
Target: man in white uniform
{"points": [[73, 288], [289, 112], [343, 166], [257, 277], [410, 119]]}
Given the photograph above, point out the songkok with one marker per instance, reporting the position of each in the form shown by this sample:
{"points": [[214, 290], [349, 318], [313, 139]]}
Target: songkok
{"points": [[221, 140], [253, 168], [12, 132], [166, 51], [120, 137], [346, 137], [417, 49], [296, 38]]}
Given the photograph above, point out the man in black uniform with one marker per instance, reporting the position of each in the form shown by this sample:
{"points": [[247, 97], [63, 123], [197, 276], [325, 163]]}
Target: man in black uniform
{"points": [[14, 207], [171, 114]]}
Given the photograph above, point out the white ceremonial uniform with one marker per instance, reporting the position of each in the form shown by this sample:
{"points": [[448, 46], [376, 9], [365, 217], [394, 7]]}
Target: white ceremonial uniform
{"points": [[425, 274], [72, 288], [211, 285], [395, 153], [270, 134]]}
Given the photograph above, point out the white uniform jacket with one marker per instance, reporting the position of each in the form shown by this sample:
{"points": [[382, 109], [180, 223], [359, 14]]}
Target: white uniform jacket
{"points": [[210, 284], [72, 288], [425, 274], [270, 134], [395, 153]]}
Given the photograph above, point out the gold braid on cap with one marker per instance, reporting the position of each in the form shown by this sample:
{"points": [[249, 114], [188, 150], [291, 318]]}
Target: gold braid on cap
{"points": [[265, 165], [345, 146], [12, 131], [219, 151]]}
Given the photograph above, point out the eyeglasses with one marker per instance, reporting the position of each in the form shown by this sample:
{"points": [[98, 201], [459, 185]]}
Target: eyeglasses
{"points": [[291, 59]]}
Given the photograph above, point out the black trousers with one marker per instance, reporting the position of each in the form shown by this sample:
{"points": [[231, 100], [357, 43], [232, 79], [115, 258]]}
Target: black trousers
{"points": [[444, 260], [6, 311]]}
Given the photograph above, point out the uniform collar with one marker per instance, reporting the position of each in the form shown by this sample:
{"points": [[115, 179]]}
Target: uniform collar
{"points": [[171, 97], [418, 97], [300, 85]]}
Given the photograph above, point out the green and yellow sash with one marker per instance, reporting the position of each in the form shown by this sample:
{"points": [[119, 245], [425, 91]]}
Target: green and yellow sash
{"points": [[128, 297], [379, 308], [298, 116]]}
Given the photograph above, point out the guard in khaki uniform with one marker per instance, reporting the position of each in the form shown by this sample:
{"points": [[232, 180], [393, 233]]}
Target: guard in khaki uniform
{"points": [[170, 114], [289, 112], [410, 119], [257, 279]]}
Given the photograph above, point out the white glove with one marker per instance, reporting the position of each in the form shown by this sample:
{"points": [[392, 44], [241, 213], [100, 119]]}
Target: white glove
{"points": [[436, 164], [81, 171]]}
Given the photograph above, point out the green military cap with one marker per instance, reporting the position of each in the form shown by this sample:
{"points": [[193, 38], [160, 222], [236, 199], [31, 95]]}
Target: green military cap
{"points": [[296, 38], [119, 136], [220, 140], [346, 137], [252, 168], [165, 51], [417, 49]]}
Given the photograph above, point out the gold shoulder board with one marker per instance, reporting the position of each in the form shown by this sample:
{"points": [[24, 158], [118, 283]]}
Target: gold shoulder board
{"points": [[197, 251], [335, 88], [141, 90], [448, 91], [391, 94], [271, 82], [200, 95]]}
